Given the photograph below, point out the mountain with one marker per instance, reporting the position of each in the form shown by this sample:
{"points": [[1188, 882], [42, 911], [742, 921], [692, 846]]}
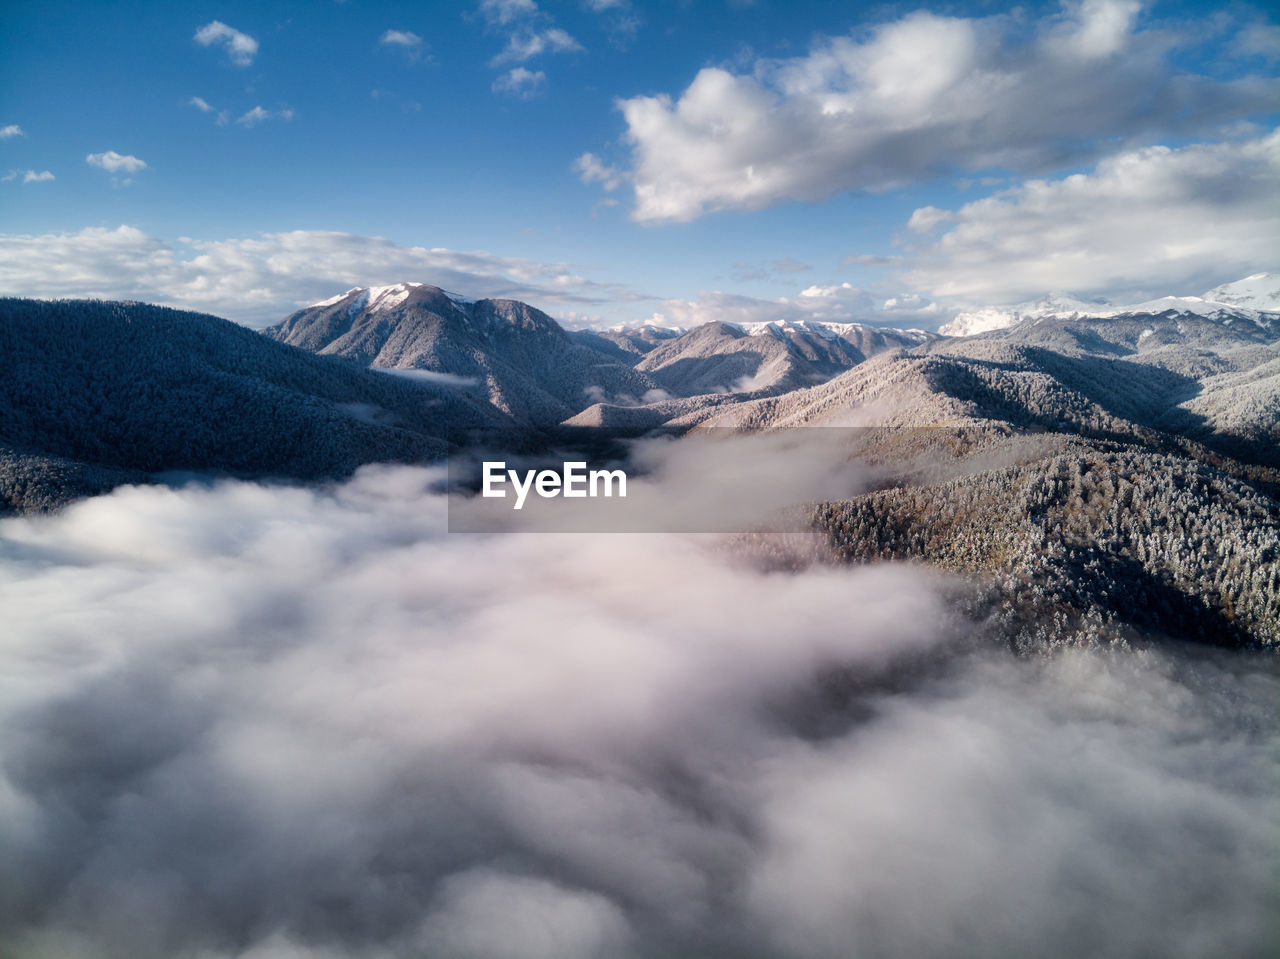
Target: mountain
{"points": [[999, 317], [1254, 299], [623, 344], [767, 357], [530, 368], [93, 394], [1260, 292], [1096, 479]]}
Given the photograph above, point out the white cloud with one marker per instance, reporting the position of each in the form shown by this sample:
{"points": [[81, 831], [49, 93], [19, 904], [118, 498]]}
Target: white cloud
{"points": [[526, 44], [28, 176], [259, 115], [502, 12], [262, 722], [114, 162], [12, 130], [400, 38], [261, 279], [521, 83], [590, 169], [200, 104], [241, 47], [1147, 222], [919, 97], [833, 303]]}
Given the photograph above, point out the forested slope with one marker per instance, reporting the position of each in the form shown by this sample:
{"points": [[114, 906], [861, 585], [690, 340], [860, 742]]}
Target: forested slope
{"points": [[96, 393]]}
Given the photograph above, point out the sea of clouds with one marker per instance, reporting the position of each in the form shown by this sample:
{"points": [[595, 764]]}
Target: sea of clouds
{"points": [[252, 721]]}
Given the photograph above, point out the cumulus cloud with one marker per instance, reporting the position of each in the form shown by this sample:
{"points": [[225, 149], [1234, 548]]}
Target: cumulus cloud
{"points": [[200, 104], [261, 279], [919, 97], [114, 162], [1153, 221], [249, 722], [831, 303], [10, 131], [520, 83], [241, 48]]}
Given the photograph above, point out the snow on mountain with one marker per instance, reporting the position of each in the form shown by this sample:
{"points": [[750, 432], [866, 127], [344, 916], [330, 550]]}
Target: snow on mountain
{"points": [[531, 369], [1255, 298], [827, 330], [998, 317], [1261, 292]]}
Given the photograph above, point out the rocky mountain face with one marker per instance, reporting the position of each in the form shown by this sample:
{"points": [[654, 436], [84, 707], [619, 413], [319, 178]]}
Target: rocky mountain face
{"points": [[96, 394], [517, 356]]}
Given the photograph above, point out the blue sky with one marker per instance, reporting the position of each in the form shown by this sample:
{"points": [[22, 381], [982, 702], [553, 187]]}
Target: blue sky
{"points": [[611, 160]]}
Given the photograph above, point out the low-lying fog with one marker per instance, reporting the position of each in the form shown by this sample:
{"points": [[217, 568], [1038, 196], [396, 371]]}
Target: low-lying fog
{"points": [[272, 722]]}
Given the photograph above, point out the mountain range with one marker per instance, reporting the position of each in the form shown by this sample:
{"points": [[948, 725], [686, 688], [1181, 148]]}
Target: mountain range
{"points": [[1111, 471]]}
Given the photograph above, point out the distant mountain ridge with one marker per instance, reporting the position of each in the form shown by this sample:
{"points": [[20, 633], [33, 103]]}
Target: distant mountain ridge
{"points": [[1254, 299]]}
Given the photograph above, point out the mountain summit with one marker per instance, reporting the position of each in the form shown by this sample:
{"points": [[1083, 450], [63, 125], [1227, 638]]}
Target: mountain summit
{"points": [[520, 357]]}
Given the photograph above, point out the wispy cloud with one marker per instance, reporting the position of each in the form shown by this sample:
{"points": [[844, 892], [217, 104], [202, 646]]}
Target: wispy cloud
{"points": [[12, 130], [263, 278], [200, 104], [521, 83], [526, 44], [259, 115], [400, 38], [28, 176], [114, 162], [502, 12], [923, 96], [241, 47], [591, 169], [770, 269], [530, 33]]}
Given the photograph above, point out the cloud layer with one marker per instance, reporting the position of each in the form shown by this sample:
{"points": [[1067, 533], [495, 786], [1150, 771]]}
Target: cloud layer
{"points": [[260, 280], [262, 722], [919, 97]]}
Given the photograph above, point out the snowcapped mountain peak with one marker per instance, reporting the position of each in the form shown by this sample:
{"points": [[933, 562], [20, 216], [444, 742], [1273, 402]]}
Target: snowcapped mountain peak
{"points": [[372, 297], [335, 299], [1261, 292]]}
